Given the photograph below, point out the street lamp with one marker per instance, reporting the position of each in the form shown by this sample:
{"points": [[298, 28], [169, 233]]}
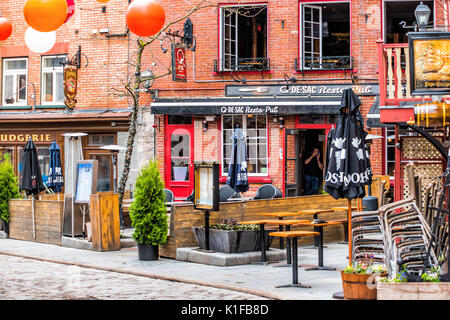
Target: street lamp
{"points": [[422, 14]]}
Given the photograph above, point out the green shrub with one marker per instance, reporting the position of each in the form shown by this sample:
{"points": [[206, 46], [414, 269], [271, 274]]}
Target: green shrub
{"points": [[9, 188], [148, 212]]}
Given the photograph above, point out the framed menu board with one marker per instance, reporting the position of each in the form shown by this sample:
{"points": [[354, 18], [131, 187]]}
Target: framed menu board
{"points": [[86, 182], [206, 186]]}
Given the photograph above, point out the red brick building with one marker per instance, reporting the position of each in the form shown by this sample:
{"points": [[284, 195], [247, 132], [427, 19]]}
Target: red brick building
{"points": [[276, 68]]}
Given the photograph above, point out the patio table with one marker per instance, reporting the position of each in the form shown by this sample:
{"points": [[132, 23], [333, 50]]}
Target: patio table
{"points": [[280, 215], [315, 213], [263, 222], [319, 228]]}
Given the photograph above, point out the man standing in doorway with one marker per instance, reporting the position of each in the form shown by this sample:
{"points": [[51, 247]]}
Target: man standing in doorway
{"points": [[313, 172]]}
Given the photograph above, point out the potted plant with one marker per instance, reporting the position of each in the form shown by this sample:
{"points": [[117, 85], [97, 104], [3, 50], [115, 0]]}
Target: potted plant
{"points": [[231, 237], [148, 212], [9, 189], [359, 279]]}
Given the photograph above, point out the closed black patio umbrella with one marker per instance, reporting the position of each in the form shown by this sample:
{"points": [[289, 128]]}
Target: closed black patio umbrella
{"points": [[31, 175], [55, 176], [237, 170], [348, 168]]}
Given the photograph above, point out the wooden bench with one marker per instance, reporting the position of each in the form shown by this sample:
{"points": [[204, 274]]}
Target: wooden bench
{"points": [[294, 235]]}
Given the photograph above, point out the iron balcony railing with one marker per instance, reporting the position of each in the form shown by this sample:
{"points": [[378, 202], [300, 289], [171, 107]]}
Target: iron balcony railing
{"points": [[324, 63], [242, 64]]}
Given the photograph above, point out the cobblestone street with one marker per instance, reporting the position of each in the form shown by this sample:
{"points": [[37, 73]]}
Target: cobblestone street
{"points": [[28, 279]]}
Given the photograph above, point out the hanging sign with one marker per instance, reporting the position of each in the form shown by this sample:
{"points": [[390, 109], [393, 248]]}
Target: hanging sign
{"points": [[70, 86], [178, 63]]}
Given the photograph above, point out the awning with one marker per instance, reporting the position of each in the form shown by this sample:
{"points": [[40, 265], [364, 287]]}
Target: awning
{"points": [[373, 117], [218, 106]]}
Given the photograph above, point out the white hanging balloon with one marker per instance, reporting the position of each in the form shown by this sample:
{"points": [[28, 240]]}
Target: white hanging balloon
{"points": [[39, 42]]}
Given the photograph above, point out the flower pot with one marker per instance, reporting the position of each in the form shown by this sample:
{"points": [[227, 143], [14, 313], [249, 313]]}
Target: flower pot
{"points": [[360, 286], [147, 252], [232, 241]]}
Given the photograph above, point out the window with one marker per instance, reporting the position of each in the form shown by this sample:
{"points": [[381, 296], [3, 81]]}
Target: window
{"points": [[43, 155], [53, 80], [243, 38], [325, 36], [15, 81], [397, 11], [255, 129], [100, 139]]}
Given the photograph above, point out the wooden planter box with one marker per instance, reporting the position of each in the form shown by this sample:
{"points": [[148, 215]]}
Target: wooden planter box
{"points": [[413, 291], [229, 241], [48, 220]]}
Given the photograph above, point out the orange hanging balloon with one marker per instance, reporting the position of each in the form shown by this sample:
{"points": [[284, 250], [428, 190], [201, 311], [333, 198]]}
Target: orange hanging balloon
{"points": [[145, 17], [103, 1], [5, 29], [45, 15]]}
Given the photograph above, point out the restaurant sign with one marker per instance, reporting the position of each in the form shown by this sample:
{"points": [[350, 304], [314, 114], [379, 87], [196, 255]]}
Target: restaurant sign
{"points": [[22, 137], [70, 86], [301, 90], [178, 63]]}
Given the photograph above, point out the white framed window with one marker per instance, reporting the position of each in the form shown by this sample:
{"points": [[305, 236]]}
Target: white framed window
{"points": [[15, 88], [243, 38], [255, 129], [325, 35], [52, 92]]}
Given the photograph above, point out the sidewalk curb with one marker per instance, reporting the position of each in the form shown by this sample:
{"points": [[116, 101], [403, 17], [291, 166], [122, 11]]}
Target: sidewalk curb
{"points": [[152, 276]]}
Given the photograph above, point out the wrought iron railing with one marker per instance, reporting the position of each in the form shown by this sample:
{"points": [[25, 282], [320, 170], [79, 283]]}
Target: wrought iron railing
{"points": [[324, 63], [242, 64]]}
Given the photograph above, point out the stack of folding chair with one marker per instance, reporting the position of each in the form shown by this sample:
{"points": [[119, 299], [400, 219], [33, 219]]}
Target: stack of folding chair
{"points": [[407, 238]]}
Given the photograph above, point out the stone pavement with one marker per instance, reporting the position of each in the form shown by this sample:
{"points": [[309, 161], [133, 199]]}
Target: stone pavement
{"points": [[252, 279]]}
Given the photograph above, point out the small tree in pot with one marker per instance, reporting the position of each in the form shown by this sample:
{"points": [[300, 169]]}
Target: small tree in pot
{"points": [[148, 212], [9, 189]]}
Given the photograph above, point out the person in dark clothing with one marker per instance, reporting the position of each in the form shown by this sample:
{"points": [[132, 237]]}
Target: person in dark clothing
{"points": [[313, 172]]}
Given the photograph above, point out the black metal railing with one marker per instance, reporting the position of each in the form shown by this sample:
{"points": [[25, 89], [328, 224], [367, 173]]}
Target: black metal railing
{"points": [[324, 63], [242, 64]]}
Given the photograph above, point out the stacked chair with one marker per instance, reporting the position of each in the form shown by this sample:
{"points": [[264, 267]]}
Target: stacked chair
{"points": [[396, 234]]}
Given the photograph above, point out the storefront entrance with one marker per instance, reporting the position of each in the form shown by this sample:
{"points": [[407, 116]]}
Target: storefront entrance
{"points": [[179, 156]]}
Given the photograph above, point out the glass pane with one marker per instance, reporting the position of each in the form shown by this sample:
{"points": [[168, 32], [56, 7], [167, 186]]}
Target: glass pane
{"points": [[100, 139], [180, 157], [261, 122], [43, 155], [174, 119], [15, 64], [251, 122], [22, 89], [54, 62], [251, 133], [316, 30], [227, 122], [251, 151], [9, 89], [238, 121], [48, 87], [262, 166], [251, 166], [104, 172], [59, 87], [308, 14]]}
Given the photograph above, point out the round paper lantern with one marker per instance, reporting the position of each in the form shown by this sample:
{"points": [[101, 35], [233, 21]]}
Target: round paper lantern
{"points": [[45, 15], [5, 29], [39, 42], [70, 9], [145, 17]]}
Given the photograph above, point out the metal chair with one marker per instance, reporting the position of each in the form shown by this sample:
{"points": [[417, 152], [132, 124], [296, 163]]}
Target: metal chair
{"points": [[226, 193], [169, 195], [268, 191]]}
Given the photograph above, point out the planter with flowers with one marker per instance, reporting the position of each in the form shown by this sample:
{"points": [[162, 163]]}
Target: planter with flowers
{"points": [[359, 279], [428, 286]]}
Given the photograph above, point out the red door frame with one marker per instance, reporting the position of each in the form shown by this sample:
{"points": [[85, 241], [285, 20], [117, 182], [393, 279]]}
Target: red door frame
{"points": [[180, 189]]}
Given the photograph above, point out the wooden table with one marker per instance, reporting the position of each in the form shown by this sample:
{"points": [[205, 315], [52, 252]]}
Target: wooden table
{"points": [[319, 228], [263, 222], [294, 236], [315, 213], [280, 215]]}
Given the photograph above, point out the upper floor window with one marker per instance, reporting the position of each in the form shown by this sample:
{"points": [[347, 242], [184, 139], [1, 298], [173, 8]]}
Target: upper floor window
{"points": [[14, 91], [53, 80], [397, 11], [325, 36], [255, 129], [243, 38]]}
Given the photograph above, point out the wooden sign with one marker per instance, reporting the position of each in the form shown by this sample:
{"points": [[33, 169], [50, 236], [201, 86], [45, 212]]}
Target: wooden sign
{"points": [[178, 63], [429, 62], [70, 86]]}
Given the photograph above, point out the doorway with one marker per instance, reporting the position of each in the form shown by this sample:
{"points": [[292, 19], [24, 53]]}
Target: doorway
{"points": [[299, 145]]}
